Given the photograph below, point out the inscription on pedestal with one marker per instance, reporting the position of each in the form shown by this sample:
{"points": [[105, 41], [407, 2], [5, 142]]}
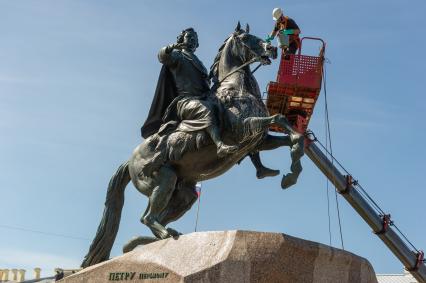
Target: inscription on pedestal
{"points": [[124, 276]]}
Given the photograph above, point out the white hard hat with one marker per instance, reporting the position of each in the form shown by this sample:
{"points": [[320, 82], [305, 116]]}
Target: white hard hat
{"points": [[277, 13]]}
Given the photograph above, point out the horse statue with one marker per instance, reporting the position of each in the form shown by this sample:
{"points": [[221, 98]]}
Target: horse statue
{"points": [[192, 156]]}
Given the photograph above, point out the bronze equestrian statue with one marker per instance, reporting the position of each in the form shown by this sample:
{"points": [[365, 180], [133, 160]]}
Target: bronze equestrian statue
{"points": [[199, 137]]}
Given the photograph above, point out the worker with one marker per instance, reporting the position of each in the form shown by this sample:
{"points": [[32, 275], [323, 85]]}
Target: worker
{"points": [[287, 32]]}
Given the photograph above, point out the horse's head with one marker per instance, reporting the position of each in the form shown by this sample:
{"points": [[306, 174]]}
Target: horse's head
{"points": [[240, 50], [250, 47]]}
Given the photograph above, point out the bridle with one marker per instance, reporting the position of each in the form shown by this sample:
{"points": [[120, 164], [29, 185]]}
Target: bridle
{"points": [[256, 58]]}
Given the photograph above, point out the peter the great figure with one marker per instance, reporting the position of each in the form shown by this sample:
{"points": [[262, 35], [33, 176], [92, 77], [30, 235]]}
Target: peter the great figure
{"points": [[190, 80]]}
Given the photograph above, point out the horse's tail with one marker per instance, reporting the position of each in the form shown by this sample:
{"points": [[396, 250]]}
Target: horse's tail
{"points": [[107, 231]]}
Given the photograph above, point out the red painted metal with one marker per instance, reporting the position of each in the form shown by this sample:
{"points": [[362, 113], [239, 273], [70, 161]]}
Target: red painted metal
{"points": [[386, 222], [297, 88], [349, 183], [420, 258]]}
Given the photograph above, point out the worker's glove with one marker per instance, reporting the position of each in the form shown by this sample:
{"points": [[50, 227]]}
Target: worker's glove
{"points": [[269, 38]]}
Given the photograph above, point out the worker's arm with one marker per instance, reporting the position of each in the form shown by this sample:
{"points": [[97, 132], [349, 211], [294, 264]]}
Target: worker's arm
{"points": [[291, 31], [271, 36]]}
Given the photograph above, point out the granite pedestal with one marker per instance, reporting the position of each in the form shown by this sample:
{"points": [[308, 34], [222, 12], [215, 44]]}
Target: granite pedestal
{"points": [[231, 256]]}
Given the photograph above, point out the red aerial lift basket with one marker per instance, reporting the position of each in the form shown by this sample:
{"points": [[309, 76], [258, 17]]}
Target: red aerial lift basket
{"points": [[297, 88]]}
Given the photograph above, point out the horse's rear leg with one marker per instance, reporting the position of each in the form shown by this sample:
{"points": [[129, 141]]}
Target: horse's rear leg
{"points": [[184, 196], [159, 200], [182, 200]]}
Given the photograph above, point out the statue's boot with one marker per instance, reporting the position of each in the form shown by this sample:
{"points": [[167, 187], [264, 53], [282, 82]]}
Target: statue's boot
{"points": [[223, 149], [263, 172]]}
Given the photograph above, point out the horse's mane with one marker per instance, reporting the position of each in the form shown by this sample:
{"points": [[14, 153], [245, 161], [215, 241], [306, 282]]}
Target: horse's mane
{"points": [[214, 69]]}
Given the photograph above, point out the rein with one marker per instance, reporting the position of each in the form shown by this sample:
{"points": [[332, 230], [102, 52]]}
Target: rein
{"points": [[255, 59]]}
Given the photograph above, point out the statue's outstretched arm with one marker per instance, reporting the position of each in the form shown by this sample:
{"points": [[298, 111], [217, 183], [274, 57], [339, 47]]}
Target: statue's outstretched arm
{"points": [[168, 55]]}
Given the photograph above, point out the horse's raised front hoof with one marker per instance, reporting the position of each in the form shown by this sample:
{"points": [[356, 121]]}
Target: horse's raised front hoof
{"points": [[288, 180], [266, 172]]}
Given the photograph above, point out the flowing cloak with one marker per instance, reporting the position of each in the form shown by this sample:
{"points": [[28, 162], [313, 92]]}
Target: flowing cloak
{"points": [[165, 93], [187, 112]]}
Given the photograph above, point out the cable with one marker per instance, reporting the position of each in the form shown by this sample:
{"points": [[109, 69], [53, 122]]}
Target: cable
{"points": [[328, 137], [361, 190], [327, 188], [328, 212], [402, 234]]}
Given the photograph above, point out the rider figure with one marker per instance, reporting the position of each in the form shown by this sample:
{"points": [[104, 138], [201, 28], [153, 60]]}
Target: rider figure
{"points": [[191, 80], [182, 83], [287, 31]]}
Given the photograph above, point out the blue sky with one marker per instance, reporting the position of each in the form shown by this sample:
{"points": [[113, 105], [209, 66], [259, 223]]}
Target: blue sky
{"points": [[76, 83]]}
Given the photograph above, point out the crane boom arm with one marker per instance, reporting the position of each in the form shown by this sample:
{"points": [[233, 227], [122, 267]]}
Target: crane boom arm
{"points": [[410, 259]]}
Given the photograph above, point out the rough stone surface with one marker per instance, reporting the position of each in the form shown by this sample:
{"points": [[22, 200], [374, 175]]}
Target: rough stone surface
{"points": [[231, 256]]}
